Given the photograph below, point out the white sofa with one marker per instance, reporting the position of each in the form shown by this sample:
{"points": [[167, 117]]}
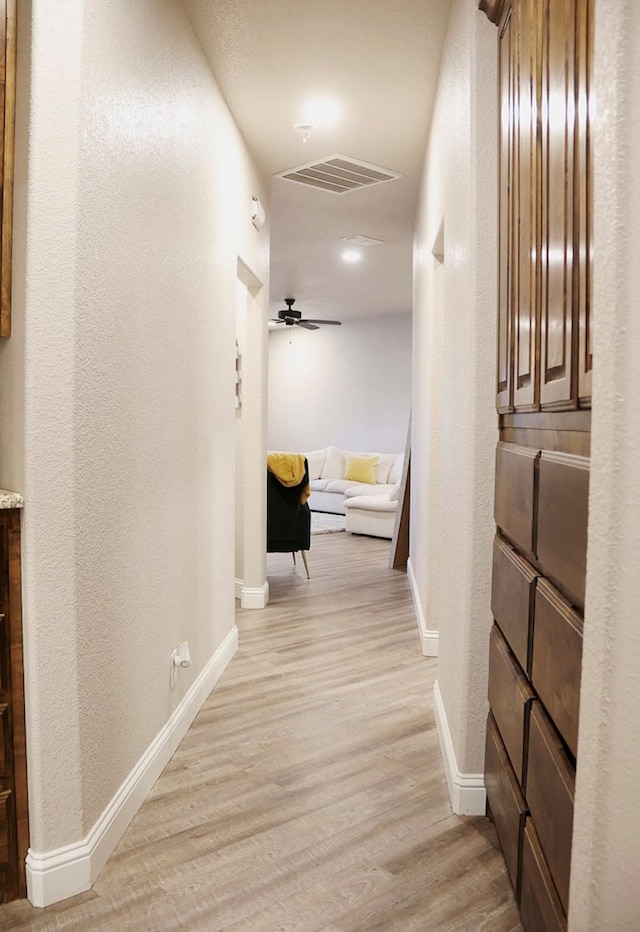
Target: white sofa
{"points": [[374, 515], [370, 506]]}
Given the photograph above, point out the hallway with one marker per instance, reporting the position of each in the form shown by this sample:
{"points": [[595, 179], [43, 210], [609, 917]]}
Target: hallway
{"points": [[309, 792]]}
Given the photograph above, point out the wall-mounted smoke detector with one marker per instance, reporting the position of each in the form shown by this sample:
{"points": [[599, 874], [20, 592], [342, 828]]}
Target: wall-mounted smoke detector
{"points": [[338, 174]]}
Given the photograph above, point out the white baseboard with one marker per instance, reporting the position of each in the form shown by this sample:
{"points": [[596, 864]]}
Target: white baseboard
{"points": [[239, 583], [466, 790], [55, 875], [428, 639], [255, 597]]}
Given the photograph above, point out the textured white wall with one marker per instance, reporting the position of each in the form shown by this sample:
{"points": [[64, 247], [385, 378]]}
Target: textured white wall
{"points": [[454, 422], [606, 847], [349, 386], [132, 207]]}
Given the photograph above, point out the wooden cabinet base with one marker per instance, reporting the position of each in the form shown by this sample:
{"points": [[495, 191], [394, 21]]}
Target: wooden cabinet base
{"points": [[14, 830], [540, 907]]}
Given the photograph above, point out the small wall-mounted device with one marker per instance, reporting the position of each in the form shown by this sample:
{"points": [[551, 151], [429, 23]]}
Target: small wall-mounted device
{"points": [[180, 657], [257, 212]]}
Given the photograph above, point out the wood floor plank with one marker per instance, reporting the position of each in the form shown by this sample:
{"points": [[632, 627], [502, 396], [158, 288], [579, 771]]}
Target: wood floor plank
{"points": [[309, 793]]}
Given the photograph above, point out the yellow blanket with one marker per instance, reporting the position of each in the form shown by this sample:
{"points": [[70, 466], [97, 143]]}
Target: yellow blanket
{"points": [[288, 468]]}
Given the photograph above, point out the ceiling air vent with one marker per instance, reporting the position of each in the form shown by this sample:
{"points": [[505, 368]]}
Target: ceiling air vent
{"points": [[338, 174]]}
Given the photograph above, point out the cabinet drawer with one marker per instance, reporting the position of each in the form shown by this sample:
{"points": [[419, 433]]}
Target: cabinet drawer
{"points": [[508, 805], [540, 908], [549, 789], [514, 499], [5, 742], [557, 660], [7, 818], [509, 697], [512, 591], [562, 521]]}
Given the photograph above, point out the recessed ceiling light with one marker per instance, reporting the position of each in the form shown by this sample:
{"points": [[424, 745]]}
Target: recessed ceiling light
{"points": [[352, 255], [321, 112]]}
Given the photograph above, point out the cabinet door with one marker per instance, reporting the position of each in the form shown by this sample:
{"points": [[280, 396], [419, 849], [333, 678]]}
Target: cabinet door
{"points": [[7, 121], [505, 298], [525, 259], [583, 203], [558, 112]]}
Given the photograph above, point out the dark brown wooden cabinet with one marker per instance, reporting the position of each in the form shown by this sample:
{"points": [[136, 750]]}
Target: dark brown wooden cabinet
{"points": [[7, 123], [14, 830], [543, 397]]}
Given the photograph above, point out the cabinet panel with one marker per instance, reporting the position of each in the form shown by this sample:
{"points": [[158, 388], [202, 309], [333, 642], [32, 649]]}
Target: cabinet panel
{"points": [[7, 110], [510, 696], [525, 258], [583, 202], [557, 660], [508, 806], [505, 299], [549, 789], [512, 591], [563, 496], [540, 906], [558, 116], [6, 757], [515, 494]]}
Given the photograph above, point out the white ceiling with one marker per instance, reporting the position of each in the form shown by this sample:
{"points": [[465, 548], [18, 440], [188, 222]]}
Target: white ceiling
{"points": [[379, 62]]}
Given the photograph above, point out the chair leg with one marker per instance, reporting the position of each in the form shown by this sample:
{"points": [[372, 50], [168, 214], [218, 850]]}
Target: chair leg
{"points": [[306, 565]]}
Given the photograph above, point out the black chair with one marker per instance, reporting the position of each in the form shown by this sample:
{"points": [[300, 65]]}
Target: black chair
{"points": [[288, 518]]}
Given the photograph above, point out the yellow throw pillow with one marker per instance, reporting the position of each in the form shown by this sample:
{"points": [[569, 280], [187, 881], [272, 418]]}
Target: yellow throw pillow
{"points": [[361, 469]]}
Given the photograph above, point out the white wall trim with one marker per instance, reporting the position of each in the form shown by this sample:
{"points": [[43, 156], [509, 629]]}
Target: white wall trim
{"points": [[466, 790], [257, 597], [428, 639], [239, 585], [55, 875]]}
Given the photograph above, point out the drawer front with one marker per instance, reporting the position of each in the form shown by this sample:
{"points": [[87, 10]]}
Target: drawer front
{"points": [[563, 495], [540, 907], [512, 591], [6, 770], [557, 660], [549, 790], [509, 697], [514, 498], [508, 806], [5, 825]]}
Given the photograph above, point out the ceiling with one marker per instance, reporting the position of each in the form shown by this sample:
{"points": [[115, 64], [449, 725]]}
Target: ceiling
{"points": [[378, 61]]}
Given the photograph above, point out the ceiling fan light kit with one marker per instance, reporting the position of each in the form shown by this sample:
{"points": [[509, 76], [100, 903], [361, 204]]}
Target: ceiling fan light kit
{"points": [[289, 318]]}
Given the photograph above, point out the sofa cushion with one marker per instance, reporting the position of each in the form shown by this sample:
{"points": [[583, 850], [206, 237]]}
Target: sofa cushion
{"points": [[361, 468], [395, 472], [315, 459], [394, 494], [333, 467], [370, 503], [383, 466], [339, 486], [319, 485], [360, 488]]}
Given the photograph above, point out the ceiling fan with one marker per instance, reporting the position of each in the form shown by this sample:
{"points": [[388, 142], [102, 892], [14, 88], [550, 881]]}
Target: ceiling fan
{"points": [[289, 317]]}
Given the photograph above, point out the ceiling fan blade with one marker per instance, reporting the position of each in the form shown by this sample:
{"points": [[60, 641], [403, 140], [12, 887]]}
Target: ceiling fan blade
{"points": [[311, 320], [307, 325]]}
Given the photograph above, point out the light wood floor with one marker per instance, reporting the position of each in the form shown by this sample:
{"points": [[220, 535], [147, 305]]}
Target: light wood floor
{"points": [[309, 793]]}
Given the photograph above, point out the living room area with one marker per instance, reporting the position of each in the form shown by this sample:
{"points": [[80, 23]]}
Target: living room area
{"points": [[349, 417]]}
